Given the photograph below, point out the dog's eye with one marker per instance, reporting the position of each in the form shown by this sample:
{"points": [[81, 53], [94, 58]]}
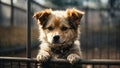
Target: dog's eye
{"points": [[50, 28], [64, 28]]}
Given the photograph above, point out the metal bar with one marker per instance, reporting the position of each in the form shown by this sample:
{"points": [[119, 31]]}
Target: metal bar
{"points": [[108, 46], [2, 64], [86, 31], [119, 54], [93, 66], [36, 65], [59, 61], [12, 14], [28, 48], [11, 64], [108, 66], [92, 40], [18, 59], [45, 65], [116, 48], [19, 65], [100, 37]]}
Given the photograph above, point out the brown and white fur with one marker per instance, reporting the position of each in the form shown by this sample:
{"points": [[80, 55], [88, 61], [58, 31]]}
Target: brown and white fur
{"points": [[59, 34]]}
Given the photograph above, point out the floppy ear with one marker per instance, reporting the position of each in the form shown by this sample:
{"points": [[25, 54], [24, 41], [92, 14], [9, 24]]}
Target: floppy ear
{"points": [[74, 16], [42, 16]]}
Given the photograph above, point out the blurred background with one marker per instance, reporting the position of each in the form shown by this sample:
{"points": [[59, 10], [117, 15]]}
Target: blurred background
{"points": [[100, 26]]}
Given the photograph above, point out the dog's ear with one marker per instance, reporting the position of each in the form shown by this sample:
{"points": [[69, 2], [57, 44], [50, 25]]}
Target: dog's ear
{"points": [[74, 16], [42, 16]]}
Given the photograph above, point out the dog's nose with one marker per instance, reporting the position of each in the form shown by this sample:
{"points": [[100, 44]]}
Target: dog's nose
{"points": [[56, 38]]}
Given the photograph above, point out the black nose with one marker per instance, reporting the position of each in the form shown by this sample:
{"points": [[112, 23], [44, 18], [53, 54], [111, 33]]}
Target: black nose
{"points": [[56, 38]]}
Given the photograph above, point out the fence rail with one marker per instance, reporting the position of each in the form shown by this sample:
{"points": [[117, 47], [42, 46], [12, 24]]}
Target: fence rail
{"points": [[82, 61], [91, 62]]}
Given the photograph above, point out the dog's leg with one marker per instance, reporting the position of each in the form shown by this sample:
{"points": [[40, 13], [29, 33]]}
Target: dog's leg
{"points": [[43, 54], [75, 53], [73, 58]]}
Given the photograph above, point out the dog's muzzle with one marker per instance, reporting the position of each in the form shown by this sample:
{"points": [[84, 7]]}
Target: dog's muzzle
{"points": [[56, 39]]}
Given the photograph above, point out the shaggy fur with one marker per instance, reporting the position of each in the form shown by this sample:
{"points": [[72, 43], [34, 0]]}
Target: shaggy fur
{"points": [[59, 34]]}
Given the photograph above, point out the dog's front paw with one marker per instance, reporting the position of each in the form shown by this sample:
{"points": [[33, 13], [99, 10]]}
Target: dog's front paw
{"points": [[42, 57], [73, 58]]}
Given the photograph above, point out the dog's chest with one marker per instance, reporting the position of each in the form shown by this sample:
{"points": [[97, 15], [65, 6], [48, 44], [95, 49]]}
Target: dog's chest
{"points": [[61, 52]]}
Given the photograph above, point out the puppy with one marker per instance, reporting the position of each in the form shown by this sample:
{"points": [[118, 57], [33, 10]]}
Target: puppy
{"points": [[59, 34]]}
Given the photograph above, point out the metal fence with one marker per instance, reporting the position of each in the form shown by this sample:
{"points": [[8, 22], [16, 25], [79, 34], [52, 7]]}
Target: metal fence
{"points": [[99, 38], [15, 62]]}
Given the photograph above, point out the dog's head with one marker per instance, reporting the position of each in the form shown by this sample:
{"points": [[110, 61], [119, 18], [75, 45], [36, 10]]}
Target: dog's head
{"points": [[59, 27]]}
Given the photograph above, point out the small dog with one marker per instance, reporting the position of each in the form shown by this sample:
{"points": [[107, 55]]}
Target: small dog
{"points": [[59, 34]]}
